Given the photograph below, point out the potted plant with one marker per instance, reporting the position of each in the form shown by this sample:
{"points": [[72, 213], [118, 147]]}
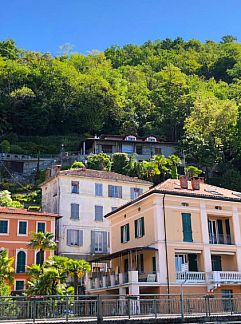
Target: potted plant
{"points": [[194, 173]]}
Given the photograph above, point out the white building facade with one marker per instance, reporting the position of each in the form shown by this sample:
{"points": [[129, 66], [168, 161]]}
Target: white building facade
{"points": [[82, 197]]}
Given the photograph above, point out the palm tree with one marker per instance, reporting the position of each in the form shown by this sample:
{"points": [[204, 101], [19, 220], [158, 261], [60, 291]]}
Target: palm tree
{"points": [[42, 242], [77, 269], [6, 268]]}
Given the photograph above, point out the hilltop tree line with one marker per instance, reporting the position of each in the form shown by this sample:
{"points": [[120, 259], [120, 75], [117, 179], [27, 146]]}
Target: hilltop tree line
{"points": [[182, 91]]}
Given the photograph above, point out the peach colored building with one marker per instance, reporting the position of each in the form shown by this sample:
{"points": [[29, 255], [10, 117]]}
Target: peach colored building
{"points": [[172, 239], [16, 226]]}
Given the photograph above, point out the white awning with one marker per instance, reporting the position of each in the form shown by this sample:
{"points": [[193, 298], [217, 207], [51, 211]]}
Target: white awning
{"points": [[188, 251]]}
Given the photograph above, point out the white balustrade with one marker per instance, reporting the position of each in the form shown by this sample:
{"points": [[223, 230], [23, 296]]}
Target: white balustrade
{"points": [[190, 276], [224, 276]]}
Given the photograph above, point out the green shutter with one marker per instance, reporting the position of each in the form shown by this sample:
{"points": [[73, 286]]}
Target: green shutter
{"points": [[122, 234], [142, 226], [128, 232], [187, 227], [21, 262], [136, 228]]}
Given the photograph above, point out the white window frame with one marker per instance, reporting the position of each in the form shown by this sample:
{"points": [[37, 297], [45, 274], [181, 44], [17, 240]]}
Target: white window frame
{"points": [[41, 223], [5, 234], [99, 242], [99, 184], [18, 234], [35, 256], [151, 139], [125, 238], [130, 138], [16, 259], [24, 284]]}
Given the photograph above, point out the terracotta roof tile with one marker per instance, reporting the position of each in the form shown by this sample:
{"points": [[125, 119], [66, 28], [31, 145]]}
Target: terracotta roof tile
{"points": [[89, 173], [22, 211]]}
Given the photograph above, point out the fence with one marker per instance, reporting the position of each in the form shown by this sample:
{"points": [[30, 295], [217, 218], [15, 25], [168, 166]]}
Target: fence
{"points": [[112, 306]]}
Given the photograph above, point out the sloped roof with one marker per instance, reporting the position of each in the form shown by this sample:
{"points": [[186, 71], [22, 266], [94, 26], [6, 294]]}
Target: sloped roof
{"points": [[108, 175], [22, 211], [172, 187]]}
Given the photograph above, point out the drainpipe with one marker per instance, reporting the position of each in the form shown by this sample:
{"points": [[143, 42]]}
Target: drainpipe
{"points": [[165, 238]]}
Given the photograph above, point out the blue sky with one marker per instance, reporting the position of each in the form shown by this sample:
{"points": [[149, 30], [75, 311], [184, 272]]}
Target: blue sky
{"points": [[45, 25]]}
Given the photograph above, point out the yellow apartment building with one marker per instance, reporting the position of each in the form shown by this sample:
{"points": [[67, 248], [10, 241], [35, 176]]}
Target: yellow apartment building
{"points": [[171, 240]]}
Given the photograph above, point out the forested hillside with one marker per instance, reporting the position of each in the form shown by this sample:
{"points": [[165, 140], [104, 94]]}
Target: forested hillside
{"points": [[184, 91]]}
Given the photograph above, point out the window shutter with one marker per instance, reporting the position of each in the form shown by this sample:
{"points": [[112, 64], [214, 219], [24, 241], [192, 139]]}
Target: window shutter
{"points": [[128, 233], [104, 242], [132, 193], [75, 211], [92, 242], [21, 261], [110, 190], [142, 226], [136, 221], [192, 261], [119, 192], [187, 227], [68, 237], [122, 230], [80, 238], [99, 213]]}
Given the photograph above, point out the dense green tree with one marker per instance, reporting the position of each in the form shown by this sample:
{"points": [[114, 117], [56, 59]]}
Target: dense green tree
{"points": [[7, 201], [120, 163], [99, 161]]}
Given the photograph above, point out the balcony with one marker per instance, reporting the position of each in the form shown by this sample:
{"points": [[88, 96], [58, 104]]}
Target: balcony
{"points": [[219, 277], [220, 239], [115, 280], [190, 277]]}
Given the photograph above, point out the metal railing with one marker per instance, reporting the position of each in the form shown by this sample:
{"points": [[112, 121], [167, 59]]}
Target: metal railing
{"points": [[111, 306], [220, 239]]}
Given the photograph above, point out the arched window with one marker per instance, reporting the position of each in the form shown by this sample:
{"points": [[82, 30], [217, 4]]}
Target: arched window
{"points": [[21, 262], [40, 257]]}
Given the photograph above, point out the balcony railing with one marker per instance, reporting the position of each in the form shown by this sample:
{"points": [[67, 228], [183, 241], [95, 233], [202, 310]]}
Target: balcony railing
{"points": [[224, 276], [112, 280], [220, 239], [190, 276], [147, 277]]}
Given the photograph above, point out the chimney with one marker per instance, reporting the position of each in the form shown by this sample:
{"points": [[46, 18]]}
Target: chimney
{"points": [[195, 183], [55, 170], [183, 181], [47, 173]]}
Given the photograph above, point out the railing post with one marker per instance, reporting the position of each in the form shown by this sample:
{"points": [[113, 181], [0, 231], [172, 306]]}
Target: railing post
{"points": [[34, 310], [208, 310], [67, 309], [182, 305], [99, 310]]}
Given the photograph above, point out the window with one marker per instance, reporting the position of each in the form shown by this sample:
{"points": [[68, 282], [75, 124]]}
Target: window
{"points": [[99, 242], [99, 213], [125, 233], [187, 227], [115, 191], [3, 226], [151, 139], [40, 257], [128, 148], [138, 149], [22, 227], [158, 151], [107, 148], [113, 208], [181, 263], [136, 192], [75, 187], [74, 211], [19, 284], [216, 262], [99, 189], [41, 227], [21, 262], [74, 237], [130, 138], [139, 227], [140, 263]]}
